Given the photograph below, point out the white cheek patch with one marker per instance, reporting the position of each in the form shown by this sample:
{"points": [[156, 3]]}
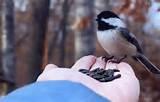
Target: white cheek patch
{"points": [[115, 22]]}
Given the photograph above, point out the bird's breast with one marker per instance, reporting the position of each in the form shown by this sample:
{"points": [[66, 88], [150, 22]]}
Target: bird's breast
{"points": [[115, 44]]}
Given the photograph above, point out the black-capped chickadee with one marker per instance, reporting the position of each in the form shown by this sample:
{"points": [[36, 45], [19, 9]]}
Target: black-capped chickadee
{"points": [[116, 39]]}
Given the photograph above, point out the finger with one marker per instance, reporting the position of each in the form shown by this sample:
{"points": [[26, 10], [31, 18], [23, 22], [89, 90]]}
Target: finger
{"points": [[98, 64], [85, 62], [50, 67]]}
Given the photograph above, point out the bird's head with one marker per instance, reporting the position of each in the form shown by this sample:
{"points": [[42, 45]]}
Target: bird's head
{"points": [[108, 20]]}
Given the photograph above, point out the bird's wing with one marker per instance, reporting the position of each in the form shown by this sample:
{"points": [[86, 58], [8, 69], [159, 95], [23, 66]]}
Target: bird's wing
{"points": [[130, 38]]}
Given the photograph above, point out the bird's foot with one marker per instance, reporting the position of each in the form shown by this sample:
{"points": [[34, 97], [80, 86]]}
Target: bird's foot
{"points": [[117, 60], [107, 58], [102, 75]]}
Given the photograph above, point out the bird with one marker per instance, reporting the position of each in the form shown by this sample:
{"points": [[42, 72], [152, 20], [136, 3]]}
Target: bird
{"points": [[114, 36]]}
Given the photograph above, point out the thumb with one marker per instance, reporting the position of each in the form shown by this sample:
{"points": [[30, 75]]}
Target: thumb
{"points": [[50, 67]]}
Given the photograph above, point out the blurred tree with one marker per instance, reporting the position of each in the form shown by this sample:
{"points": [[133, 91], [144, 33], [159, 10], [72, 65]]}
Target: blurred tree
{"points": [[8, 43], [0, 37], [52, 40], [101, 5], [84, 28], [39, 18], [58, 40], [63, 31]]}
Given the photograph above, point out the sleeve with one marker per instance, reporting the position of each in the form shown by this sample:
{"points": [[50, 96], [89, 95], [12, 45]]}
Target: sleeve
{"points": [[54, 91]]}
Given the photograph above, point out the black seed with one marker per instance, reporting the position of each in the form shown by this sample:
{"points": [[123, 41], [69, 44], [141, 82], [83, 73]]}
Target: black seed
{"points": [[102, 71], [101, 75], [87, 73], [98, 77], [84, 70], [103, 80], [117, 76]]}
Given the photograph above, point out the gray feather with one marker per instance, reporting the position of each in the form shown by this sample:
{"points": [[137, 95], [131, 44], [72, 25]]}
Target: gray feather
{"points": [[130, 38], [148, 65]]}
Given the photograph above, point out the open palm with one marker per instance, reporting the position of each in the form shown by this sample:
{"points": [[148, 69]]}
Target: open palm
{"points": [[124, 89]]}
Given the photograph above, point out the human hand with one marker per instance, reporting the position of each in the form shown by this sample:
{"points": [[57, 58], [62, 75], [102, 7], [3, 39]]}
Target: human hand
{"points": [[124, 89]]}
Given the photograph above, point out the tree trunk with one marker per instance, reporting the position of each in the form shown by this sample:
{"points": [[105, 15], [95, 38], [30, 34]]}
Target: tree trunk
{"points": [[40, 14], [63, 32], [8, 43], [84, 26]]}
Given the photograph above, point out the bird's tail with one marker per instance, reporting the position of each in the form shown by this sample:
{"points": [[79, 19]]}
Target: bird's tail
{"points": [[148, 65]]}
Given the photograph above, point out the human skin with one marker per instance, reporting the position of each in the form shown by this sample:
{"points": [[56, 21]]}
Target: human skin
{"points": [[124, 89]]}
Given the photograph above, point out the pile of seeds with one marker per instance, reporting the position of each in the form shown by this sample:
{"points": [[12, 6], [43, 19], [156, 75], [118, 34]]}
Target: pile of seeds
{"points": [[101, 75]]}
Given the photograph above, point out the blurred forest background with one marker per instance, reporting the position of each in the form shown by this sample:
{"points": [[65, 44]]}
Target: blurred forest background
{"points": [[34, 33]]}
